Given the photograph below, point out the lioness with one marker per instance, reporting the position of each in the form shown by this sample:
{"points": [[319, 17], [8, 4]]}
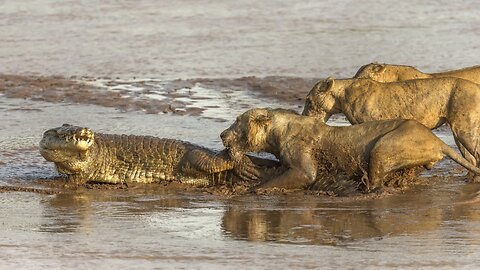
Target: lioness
{"points": [[394, 73], [382, 147], [456, 101]]}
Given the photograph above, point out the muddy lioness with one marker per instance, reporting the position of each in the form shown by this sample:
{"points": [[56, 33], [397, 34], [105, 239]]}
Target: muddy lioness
{"points": [[456, 101], [393, 73], [378, 147]]}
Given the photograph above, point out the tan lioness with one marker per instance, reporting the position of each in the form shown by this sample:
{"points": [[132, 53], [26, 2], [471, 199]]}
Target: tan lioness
{"points": [[378, 147], [394, 73], [431, 102]]}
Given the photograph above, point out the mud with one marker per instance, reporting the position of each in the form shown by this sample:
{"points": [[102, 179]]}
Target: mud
{"points": [[182, 97]]}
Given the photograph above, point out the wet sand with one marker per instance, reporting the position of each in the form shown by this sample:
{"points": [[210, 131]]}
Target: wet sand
{"points": [[185, 70]]}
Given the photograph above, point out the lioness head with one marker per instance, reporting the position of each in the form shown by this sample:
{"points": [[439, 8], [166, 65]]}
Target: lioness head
{"points": [[255, 131], [375, 72], [389, 73], [248, 133], [321, 101]]}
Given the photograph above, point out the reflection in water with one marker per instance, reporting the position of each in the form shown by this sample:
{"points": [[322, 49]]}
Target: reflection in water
{"points": [[79, 210], [67, 213], [310, 220], [293, 218]]}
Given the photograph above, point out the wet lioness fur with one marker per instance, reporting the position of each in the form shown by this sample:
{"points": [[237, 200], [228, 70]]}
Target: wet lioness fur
{"points": [[378, 147], [394, 73], [431, 102]]}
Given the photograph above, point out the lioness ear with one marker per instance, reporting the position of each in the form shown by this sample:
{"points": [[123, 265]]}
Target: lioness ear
{"points": [[329, 83], [379, 68], [257, 125], [262, 119]]}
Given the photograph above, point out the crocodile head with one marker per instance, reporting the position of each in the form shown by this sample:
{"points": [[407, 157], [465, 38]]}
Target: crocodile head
{"points": [[68, 147]]}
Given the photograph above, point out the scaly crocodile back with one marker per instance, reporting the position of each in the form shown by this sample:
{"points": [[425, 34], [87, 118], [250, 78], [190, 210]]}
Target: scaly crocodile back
{"points": [[130, 158]]}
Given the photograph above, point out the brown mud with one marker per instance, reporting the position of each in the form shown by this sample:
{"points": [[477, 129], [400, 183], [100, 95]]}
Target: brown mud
{"points": [[175, 94], [399, 183]]}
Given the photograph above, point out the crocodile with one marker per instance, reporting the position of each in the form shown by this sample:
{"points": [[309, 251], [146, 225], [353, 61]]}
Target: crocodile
{"points": [[84, 156]]}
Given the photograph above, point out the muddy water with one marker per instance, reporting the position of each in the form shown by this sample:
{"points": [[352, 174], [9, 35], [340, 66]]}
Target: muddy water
{"points": [[186, 69]]}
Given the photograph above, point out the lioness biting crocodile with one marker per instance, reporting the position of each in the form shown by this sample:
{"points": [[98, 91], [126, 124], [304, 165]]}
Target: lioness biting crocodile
{"points": [[85, 156], [394, 73], [377, 147], [431, 102]]}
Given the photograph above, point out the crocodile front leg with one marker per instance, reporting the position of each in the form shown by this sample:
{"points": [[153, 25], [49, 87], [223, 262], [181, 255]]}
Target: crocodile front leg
{"points": [[253, 168], [248, 168], [209, 161], [243, 166]]}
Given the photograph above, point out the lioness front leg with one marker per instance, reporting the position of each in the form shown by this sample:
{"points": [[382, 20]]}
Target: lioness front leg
{"points": [[464, 120], [293, 178], [243, 165], [246, 169], [300, 171], [470, 157], [252, 168]]}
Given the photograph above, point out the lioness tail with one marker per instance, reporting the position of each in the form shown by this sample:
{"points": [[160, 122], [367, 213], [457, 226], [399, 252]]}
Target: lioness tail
{"points": [[447, 150]]}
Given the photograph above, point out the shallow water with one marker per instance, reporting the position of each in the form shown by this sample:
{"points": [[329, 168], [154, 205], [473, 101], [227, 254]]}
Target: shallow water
{"points": [[212, 46]]}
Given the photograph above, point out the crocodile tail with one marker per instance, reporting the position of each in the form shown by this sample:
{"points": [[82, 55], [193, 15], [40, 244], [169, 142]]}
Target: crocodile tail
{"points": [[213, 179], [209, 161], [447, 150]]}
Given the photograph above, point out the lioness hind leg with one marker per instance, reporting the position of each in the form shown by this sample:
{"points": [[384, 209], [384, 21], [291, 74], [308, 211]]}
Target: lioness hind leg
{"points": [[408, 146], [376, 172], [298, 175]]}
